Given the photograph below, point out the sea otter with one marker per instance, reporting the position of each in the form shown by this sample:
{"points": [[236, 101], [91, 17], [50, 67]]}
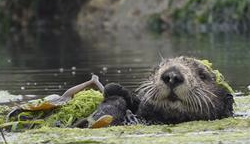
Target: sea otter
{"points": [[179, 90]]}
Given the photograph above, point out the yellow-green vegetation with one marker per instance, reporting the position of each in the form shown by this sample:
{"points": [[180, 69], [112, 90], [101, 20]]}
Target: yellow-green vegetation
{"points": [[226, 130], [20, 126], [82, 105], [220, 80], [3, 112], [229, 130]]}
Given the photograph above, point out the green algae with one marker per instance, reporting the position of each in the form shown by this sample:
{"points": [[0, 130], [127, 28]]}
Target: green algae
{"points": [[4, 110], [30, 115], [82, 105], [17, 126], [196, 131], [220, 80]]}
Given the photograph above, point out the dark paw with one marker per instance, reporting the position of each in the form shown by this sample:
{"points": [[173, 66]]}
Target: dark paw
{"points": [[114, 89]]}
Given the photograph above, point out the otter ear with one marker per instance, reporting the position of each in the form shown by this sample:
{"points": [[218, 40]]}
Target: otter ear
{"points": [[229, 101]]}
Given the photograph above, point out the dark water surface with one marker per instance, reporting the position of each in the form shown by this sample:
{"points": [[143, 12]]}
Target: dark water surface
{"points": [[50, 61]]}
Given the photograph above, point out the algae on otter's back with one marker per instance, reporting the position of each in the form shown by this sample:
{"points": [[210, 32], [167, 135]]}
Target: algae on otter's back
{"points": [[220, 80], [82, 105]]}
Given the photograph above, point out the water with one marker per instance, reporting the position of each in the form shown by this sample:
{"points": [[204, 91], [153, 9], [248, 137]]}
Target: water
{"points": [[49, 61]]}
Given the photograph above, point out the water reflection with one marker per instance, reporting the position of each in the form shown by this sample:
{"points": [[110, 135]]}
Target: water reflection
{"points": [[50, 61]]}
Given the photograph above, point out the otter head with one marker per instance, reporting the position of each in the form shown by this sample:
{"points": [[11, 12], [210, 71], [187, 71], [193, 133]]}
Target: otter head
{"points": [[185, 85]]}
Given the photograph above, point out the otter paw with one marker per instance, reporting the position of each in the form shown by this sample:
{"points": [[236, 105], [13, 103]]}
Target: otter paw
{"points": [[114, 89]]}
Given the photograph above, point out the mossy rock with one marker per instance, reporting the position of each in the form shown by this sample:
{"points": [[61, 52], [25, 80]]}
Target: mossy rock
{"points": [[228, 130]]}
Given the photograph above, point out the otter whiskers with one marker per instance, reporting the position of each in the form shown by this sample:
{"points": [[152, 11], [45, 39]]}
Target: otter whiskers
{"points": [[196, 97], [144, 86], [150, 94], [149, 90]]}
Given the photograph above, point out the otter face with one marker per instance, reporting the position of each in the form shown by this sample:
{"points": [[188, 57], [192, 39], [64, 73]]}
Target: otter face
{"points": [[182, 84]]}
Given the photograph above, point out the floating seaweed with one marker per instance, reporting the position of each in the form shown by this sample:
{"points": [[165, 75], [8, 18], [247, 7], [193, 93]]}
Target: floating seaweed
{"points": [[77, 102]]}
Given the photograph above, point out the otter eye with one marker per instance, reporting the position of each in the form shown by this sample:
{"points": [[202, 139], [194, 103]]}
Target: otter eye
{"points": [[202, 75]]}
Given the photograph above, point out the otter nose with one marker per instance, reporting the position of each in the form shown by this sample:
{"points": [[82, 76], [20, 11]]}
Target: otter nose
{"points": [[172, 77]]}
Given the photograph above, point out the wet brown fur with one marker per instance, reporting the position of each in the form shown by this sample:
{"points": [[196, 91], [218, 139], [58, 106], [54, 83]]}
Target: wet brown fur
{"points": [[198, 97]]}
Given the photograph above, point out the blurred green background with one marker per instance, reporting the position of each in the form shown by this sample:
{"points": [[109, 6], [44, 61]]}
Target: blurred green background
{"points": [[47, 46]]}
